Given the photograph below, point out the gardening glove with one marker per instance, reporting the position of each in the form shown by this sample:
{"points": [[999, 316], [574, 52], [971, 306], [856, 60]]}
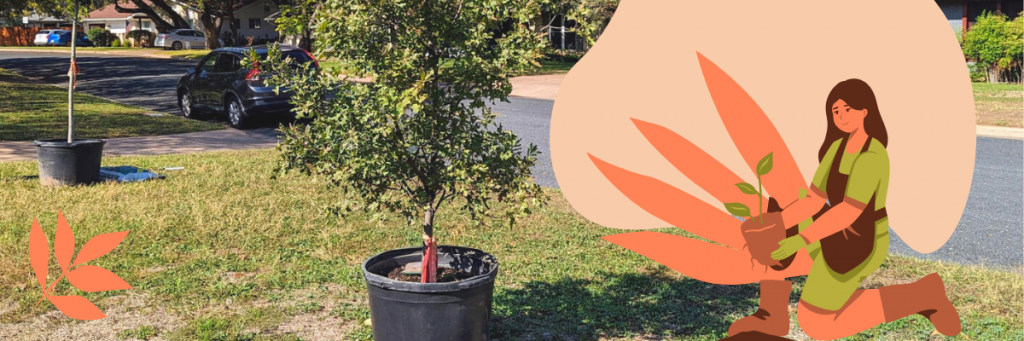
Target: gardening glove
{"points": [[789, 246]]}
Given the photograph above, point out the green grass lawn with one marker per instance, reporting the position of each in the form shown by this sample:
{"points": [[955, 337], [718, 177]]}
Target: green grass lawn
{"points": [[30, 111], [221, 251], [999, 104]]}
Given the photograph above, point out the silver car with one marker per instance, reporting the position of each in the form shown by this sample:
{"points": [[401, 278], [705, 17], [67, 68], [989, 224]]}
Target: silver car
{"points": [[43, 37], [181, 39]]}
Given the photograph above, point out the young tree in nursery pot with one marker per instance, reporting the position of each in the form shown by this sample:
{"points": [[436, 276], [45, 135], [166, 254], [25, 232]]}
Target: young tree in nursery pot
{"points": [[419, 135]]}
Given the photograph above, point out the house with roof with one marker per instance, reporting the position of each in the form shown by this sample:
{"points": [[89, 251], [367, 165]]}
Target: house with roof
{"points": [[961, 14], [118, 23]]}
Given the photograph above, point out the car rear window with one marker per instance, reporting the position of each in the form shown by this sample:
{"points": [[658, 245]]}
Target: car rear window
{"points": [[299, 56]]}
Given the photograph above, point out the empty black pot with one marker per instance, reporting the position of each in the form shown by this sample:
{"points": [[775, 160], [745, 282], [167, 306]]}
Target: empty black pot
{"points": [[63, 163], [408, 311]]}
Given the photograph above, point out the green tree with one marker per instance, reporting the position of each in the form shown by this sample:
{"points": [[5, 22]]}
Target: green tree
{"points": [[995, 45], [421, 134]]}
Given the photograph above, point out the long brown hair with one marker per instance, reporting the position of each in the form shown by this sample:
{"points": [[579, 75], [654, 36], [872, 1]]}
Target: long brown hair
{"points": [[858, 95]]}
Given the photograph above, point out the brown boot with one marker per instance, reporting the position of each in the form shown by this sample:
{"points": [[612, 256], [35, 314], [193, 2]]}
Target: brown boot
{"points": [[772, 317], [927, 297]]}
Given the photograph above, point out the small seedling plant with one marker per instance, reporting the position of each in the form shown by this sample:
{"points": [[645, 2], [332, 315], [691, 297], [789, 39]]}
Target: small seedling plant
{"points": [[738, 209]]}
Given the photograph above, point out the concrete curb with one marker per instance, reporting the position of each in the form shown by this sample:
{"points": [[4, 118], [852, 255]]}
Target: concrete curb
{"points": [[1001, 132]]}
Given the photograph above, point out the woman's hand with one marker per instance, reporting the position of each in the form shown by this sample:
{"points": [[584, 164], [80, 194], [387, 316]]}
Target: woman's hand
{"points": [[788, 247]]}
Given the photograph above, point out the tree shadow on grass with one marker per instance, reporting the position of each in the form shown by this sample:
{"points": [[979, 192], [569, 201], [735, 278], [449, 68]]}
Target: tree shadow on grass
{"points": [[615, 305]]}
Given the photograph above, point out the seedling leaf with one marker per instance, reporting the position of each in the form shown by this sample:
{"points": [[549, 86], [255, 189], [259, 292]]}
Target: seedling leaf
{"points": [[765, 165], [737, 209], [746, 188]]}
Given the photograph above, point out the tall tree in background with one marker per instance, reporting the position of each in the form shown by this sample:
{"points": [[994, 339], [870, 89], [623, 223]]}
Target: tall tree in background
{"points": [[162, 15]]}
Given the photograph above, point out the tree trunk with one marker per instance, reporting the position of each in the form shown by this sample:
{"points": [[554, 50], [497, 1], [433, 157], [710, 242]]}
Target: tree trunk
{"points": [[210, 28], [176, 19], [162, 25], [230, 4]]}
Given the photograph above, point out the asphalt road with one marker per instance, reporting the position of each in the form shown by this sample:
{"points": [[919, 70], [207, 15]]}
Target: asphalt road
{"points": [[991, 231]]}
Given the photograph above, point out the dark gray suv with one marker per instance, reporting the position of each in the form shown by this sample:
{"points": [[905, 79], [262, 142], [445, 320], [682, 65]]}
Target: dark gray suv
{"points": [[220, 83]]}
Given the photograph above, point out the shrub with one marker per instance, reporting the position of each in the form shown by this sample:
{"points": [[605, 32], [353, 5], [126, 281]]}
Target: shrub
{"points": [[995, 44], [141, 38], [116, 42], [100, 37]]}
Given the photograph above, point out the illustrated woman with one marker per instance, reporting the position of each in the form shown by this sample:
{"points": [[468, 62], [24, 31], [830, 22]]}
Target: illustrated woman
{"points": [[844, 229]]}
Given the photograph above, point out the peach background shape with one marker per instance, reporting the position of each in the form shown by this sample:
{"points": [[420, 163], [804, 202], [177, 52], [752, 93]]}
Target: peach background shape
{"points": [[787, 56]]}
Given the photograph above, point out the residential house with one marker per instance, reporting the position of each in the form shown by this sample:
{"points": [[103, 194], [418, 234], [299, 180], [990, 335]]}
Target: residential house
{"points": [[964, 13], [39, 21], [118, 23], [251, 19]]}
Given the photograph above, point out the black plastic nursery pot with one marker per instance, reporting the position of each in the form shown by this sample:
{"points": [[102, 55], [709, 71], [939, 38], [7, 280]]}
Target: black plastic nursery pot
{"points": [[63, 163], [408, 311]]}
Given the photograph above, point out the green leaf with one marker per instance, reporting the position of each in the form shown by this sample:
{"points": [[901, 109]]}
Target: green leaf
{"points": [[737, 209], [765, 165], [746, 188]]}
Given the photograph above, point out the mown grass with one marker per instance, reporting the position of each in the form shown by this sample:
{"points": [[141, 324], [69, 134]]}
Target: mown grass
{"points": [[999, 104], [236, 255], [30, 111]]}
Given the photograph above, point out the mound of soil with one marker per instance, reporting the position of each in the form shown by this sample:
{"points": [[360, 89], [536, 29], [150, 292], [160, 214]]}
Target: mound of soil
{"points": [[444, 275]]}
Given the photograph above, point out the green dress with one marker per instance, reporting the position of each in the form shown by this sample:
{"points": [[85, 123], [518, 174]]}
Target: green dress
{"points": [[869, 175]]}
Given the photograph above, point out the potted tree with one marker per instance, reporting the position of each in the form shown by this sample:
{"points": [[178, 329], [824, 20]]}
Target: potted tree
{"points": [[418, 137], [69, 161]]}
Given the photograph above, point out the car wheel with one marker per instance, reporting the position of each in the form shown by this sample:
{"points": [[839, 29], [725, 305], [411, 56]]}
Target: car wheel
{"points": [[176, 45], [187, 108], [236, 114]]}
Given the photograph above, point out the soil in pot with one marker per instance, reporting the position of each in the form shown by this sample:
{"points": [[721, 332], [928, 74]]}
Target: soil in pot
{"points": [[444, 275]]}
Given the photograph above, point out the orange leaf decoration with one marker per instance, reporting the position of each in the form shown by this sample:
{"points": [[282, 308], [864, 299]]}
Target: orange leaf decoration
{"points": [[77, 307], [91, 278], [88, 278], [63, 242], [39, 252], [99, 246]]}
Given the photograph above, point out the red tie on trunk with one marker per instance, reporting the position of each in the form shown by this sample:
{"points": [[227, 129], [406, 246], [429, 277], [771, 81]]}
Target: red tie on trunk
{"points": [[429, 267], [73, 71]]}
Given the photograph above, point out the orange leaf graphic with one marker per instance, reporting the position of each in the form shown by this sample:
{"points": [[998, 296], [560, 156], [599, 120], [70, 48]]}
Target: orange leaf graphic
{"points": [[99, 246], [91, 278], [39, 252], [77, 307], [63, 242], [753, 133]]}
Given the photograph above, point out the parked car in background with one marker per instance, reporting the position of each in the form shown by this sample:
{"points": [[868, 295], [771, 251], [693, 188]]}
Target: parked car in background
{"points": [[181, 39], [43, 37], [221, 83], [63, 38]]}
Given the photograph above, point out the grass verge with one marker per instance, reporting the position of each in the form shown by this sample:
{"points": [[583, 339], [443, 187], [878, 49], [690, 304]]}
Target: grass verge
{"points": [[220, 251], [30, 111], [999, 104]]}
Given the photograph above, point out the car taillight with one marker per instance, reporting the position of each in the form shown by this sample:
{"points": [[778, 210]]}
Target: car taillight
{"points": [[316, 62], [253, 75]]}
